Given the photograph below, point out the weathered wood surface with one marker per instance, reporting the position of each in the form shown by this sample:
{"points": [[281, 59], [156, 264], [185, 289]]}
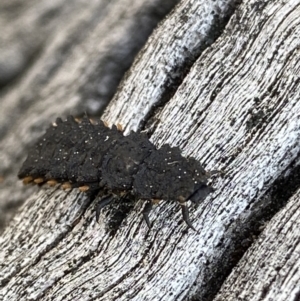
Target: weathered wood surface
{"points": [[237, 110], [83, 51], [269, 270]]}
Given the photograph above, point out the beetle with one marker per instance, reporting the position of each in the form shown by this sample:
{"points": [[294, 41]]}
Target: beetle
{"points": [[95, 157]]}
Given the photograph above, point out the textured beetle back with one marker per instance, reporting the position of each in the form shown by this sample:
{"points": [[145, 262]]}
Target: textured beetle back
{"points": [[93, 157]]}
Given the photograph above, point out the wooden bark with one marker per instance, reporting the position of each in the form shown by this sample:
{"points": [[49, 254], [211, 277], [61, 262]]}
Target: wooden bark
{"points": [[236, 110], [270, 268]]}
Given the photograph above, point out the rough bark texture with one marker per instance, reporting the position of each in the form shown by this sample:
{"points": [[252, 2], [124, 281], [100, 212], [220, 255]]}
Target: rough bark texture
{"points": [[270, 268], [236, 110]]}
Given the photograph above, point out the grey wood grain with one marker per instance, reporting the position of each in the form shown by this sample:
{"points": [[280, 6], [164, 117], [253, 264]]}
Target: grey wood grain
{"points": [[270, 268], [236, 110]]}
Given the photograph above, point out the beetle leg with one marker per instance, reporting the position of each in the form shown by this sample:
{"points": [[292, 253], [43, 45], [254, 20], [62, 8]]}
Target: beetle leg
{"points": [[146, 211], [102, 203], [185, 214]]}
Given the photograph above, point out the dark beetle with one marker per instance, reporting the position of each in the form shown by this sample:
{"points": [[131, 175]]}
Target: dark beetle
{"points": [[93, 157]]}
